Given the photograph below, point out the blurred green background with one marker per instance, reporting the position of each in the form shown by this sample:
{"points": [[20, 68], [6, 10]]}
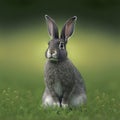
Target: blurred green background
{"points": [[94, 48]]}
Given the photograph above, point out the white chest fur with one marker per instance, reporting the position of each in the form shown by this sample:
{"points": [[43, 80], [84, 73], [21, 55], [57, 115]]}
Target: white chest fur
{"points": [[58, 88]]}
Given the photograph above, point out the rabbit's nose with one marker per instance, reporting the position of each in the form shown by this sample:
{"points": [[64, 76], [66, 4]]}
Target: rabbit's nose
{"points": [[53, 51]]}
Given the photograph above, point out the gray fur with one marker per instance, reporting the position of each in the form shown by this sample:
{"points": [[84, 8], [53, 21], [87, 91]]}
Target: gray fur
{"points": [[64, 84]]}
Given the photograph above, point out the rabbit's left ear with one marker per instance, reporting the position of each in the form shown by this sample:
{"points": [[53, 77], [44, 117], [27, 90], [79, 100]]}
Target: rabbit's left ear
{"points": [[68, 28]]}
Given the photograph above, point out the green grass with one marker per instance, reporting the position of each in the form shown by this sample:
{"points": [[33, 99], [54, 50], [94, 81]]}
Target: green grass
{"points": [[21, 76], [21, 99]]}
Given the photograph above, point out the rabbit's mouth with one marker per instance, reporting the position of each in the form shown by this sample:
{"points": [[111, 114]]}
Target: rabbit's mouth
{"points": [[53, 59]]}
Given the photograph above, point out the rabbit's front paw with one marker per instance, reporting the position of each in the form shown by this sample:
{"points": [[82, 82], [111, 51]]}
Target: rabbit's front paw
{"points": [[56, 104]]}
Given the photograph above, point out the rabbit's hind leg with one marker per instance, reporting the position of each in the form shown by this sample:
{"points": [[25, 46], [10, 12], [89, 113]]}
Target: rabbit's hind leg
{"points": [[77, 100], [47, 99]]}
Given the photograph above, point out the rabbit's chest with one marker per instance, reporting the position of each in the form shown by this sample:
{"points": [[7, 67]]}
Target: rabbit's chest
{"points": [[55, 82], [58, 88], [59, 77], [59, 80]]}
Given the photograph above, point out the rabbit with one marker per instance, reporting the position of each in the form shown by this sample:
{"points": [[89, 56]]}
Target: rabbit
{"points": [[64, 84]]}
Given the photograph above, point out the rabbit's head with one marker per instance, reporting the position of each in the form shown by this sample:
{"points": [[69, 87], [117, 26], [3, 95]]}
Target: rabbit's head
{"points": [[56, 50]]}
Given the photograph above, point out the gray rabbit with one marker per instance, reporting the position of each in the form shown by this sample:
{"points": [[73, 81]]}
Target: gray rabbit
{"points": [[64, 84]]}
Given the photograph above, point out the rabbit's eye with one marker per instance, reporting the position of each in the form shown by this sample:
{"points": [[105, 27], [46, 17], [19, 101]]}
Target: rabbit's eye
{"points": [[61, 45]]}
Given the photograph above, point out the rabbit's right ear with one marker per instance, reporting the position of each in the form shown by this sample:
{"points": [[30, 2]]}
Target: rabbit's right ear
{"points": [[52, 27]]}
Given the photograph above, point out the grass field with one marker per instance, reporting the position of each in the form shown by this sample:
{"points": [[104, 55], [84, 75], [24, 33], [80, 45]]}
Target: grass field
{"points": [[96, 54]]}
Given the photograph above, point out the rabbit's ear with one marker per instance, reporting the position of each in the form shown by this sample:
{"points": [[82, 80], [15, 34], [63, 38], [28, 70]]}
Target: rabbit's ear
{"points": [[52, 27], [68, 28]]}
